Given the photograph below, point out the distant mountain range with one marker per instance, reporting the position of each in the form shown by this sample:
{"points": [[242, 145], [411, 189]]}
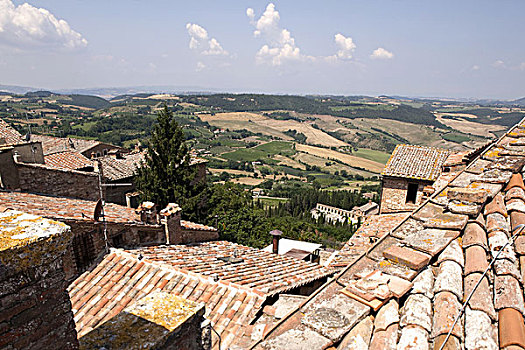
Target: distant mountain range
{"points": [[114, 91], [110, 92]]}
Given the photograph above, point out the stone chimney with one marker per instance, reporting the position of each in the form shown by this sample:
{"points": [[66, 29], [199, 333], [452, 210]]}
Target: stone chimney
{"points": [[148, 213], [276, 235], [35, 309], [171, 216]]}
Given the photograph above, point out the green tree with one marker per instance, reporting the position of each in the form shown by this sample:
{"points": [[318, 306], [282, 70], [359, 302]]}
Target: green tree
{"points": [[166, 175]]}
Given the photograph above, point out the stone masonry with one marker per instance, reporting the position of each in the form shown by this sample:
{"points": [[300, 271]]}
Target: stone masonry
{"points": [[35, 309], [394, 193]]}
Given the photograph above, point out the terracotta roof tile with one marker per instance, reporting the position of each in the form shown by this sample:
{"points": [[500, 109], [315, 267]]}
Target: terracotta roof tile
{"points": [[416, 162], [52, 144], [197, 227], [65, 208], [120, 279], [240, 265], [374, 227], [121, 168], [67, 160], [8, 135]]}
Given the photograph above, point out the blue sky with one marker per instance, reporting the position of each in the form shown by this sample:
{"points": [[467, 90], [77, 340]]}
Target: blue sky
{"points": [[404, 47]]}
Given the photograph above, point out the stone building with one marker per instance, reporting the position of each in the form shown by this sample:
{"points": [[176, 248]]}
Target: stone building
{"points": [[408, 177], [338, 215]]}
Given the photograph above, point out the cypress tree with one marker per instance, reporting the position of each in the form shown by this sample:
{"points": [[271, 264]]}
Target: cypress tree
{"points": [[166, 176]]}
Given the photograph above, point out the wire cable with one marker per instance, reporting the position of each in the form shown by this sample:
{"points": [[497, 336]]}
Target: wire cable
{"points": [[518, 230]]}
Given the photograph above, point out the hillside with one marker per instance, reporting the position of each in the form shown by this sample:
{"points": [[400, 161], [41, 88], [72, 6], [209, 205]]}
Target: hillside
{"points": [[324, 141]]}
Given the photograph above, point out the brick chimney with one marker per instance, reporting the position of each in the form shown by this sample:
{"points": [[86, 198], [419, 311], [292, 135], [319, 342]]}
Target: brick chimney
{"points": [[276, 235], [148, 213], [171, 216]]}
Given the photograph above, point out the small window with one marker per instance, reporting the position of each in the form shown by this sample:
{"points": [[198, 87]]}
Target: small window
{"points": [[411, 193], [446, 169], [105, 152]]}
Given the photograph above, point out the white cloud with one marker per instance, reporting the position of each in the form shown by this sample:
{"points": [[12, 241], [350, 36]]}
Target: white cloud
{"points": [[200, 41], [475, 67], [381, 53], [280, 46], [29, 27], [345, 45], [200, 66], [498, 64]]}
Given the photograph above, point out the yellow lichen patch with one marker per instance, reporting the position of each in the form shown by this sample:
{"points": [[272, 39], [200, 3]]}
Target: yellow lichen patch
{"points": [[28, 240], [164, 309], [493, 152], [144, 325]]}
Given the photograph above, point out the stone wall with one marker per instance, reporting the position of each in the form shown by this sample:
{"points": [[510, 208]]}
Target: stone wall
{"points": [[74, 184], [394, 193], [30, 152], [194, 236], [35, 309], [88, 242], [8, 172], [158, 321]]}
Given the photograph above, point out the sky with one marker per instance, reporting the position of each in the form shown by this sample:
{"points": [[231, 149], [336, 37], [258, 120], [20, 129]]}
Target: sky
{"points": [[422, 48]]}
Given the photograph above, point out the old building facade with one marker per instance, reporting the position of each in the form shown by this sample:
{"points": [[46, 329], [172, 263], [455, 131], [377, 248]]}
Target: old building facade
{"points": [[408, 176]]}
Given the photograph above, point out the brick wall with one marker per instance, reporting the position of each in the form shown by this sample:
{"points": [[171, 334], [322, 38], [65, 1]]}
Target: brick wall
{"points": [[74, 184], [35, 309], [394, 193]]}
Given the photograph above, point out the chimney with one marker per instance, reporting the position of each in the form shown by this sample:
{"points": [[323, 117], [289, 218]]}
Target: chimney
{"points": [[148, 213], [276, 234], [171, 219]]}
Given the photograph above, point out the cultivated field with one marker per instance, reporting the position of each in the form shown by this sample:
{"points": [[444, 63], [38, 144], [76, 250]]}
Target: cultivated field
{"points": [[258, 123], [351, 160], [468, 127]]}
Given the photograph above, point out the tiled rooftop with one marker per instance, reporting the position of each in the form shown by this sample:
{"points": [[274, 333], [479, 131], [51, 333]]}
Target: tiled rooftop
{"points": [[188, 225], [416, 162], [8, 135], [121, 168], [122, 278], [71, 160], [52, 144], [410, 285], [62, 208], [375, 227], [264, 272]]}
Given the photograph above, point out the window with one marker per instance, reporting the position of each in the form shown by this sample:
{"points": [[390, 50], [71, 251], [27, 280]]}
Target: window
{"points": [[411, 193], [83, 250]]}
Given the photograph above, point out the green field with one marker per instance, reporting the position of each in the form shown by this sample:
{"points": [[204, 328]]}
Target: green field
{"points": [[378, 156], [261, 152], [455, 137]]}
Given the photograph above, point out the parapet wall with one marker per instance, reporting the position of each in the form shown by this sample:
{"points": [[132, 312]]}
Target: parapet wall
{"points": [[35, 309], [158, 321]]}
